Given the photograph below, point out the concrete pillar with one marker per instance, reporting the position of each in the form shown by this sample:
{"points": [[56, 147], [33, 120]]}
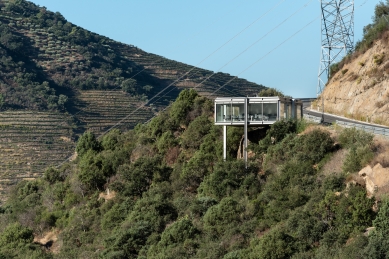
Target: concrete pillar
{"points": [[224, 142], [245, 131]]}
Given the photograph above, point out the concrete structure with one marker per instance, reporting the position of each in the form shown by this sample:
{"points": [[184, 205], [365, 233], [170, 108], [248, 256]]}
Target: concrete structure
{"points": [[253, 112]]}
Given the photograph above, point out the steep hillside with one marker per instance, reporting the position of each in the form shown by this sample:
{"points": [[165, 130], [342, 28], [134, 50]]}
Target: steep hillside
{"points": [[50, 65], [359, 84], [360, 89], [163, 190]]}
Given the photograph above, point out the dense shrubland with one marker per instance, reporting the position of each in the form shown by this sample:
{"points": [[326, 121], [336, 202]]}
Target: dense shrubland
{"points": [[163, 190]]}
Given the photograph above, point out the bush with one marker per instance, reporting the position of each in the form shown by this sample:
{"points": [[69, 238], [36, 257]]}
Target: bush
{"points": [[276, 244], [86, 142], [181, 106], [53, 175], [270, 92], [357, 158], [352, 136], [225, 215], [226, 177], [277, 132], [177, 241], [312, 147]]}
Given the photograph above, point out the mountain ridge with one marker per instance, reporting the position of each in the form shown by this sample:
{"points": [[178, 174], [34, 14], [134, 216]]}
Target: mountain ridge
{"points": [[50, 65]]}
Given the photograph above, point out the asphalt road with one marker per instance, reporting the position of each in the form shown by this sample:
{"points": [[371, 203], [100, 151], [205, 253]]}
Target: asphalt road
{"points": [[329, 119]]}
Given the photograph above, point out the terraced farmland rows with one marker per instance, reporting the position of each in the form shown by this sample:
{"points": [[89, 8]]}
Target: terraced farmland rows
{"points": [[30, 142], [100, 110], [167, 69]]}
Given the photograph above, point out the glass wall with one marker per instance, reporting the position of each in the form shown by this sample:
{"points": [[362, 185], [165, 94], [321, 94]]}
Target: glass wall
{"points": [[263, 111], [223, 112], [255, 111], [237, 111], [270, 111], [260, 110]]}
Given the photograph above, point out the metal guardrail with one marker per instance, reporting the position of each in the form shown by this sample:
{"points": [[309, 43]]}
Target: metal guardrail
{"points": [[367, 128]]}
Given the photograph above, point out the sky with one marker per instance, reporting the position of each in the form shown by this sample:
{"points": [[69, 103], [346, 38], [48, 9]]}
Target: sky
{"points": [[275, 43]]}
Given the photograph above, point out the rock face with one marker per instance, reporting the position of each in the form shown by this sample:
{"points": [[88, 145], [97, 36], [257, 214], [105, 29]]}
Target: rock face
{"points": [[360, 89], [375, 178]]}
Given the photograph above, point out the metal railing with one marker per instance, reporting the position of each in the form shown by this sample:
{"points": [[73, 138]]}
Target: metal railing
{"points": [[367, 128]]}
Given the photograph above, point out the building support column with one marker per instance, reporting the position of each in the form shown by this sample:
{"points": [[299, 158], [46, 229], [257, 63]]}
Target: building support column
{"points": [[246, 115], [224, 142]]}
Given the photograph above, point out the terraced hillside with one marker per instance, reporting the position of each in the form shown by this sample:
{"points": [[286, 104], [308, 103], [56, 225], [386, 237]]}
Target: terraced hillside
{"points": [[53, 72], [31, 141], [100, 110]]}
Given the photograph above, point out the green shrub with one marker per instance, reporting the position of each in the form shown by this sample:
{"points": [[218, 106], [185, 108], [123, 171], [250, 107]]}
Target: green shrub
{"points": [[177, 241], [179, 109], [270, 92], [16, 234], [52, 175], [352, 136], [226, 177], [276, 244], [223, 216], [357, 158], [86, 142]]}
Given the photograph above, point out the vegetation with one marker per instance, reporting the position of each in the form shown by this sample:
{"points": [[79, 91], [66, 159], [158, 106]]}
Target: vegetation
{"points": [[270, 92], [163, 190], [51, 67], [371, 32]]}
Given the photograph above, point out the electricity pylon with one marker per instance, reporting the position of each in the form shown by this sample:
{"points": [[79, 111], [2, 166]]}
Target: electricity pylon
{"points": [[337, 36]]}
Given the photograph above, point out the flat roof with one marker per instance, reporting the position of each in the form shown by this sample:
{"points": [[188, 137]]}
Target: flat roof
{"points": [[256, 98]]}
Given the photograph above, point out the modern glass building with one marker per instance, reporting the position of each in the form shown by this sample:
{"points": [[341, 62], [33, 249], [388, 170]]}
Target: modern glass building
{"points": [[258, 110], [253, 111]]}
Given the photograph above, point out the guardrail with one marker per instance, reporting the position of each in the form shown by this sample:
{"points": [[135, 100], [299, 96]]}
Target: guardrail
{"points": [[367, 128]]}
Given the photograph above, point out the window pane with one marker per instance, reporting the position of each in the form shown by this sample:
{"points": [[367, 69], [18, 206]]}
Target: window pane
{"points": [[270, 111], [223, 112], [237, 112], [255, 112]]}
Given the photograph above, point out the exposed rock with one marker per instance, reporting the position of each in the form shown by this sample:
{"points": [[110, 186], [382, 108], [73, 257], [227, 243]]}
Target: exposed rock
{"points": [[108, 195], [368, 231], [360, 88], [375, 178]]}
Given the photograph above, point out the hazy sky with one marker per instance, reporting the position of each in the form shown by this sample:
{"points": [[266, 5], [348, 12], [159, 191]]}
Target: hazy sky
{"points": [[199, 32]]}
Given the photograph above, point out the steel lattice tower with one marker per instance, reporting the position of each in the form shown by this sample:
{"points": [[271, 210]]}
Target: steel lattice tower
{"points": [[337, 35]]}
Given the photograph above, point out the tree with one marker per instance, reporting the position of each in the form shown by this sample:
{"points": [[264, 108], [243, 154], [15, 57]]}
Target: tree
{"points": [[380, 9], [62, 100], [270, 92], [129, 86], [276, 244], [378, 246], [182, 105], [87, 142]]}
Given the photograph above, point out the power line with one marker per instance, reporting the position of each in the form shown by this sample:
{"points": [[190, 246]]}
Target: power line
{"points": [[274, 50], [268, 53], [194, 67], [253, 44]]}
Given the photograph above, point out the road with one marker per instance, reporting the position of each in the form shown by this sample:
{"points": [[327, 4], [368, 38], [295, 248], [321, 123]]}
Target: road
{"points": [[328, 118]]}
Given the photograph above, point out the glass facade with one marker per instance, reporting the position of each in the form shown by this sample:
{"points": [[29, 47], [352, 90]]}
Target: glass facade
{"points": [[237, 112], [260, 110], [270, 111], [229, 112]]}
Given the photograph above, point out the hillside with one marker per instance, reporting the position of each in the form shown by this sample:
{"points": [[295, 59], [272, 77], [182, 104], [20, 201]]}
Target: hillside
{"points": [[359, 84], [163, 190], [50, 67]]}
